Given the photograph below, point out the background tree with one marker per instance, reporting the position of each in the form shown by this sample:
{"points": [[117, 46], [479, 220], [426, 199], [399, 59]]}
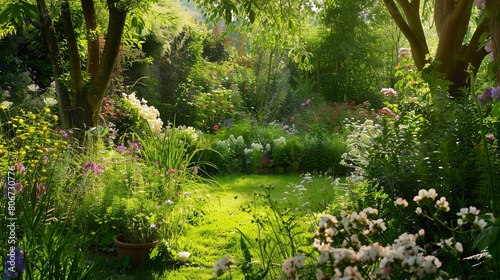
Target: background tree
{"points": [[355, 41]]}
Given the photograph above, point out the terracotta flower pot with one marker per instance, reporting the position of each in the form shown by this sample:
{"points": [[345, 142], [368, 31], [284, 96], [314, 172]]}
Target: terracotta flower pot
{"points": [[136, 252]]}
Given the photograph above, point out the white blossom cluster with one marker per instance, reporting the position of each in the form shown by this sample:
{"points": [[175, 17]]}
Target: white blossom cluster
{"points": [[49, 101], [230, 143], [359, 144], [344, 244], [6, 105], [280, 142], [149, 113]]}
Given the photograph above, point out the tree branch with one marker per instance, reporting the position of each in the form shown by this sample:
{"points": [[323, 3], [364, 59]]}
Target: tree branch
{"points": [[116, 25], [412, 29], [74, 55], [93, 54]]}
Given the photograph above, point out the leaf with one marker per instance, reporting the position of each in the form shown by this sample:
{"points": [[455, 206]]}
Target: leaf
{"points": [[495, 111], [251, 16], [486, 237]]}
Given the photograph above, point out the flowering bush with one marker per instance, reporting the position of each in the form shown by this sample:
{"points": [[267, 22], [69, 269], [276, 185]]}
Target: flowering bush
{"points": [[316, 115]]}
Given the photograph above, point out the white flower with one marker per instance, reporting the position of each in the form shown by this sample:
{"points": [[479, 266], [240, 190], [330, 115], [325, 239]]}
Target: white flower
{"points": [[442, 204], [299, 260], [431, 193], [222, 265], [479, 223], [183, 256], [401, 202], [49, 101], [6, 104]]}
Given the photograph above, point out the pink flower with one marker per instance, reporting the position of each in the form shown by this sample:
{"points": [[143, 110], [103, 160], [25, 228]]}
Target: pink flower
{"points": [[216, 127], [292, 119], [308, 101], [481, 4]]}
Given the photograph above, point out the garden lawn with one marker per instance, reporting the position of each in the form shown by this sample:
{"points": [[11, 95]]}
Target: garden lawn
{"points": [[216, 232]]}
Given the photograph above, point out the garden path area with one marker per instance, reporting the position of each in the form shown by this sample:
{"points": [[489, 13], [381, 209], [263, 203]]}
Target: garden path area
{"points": [[215, 231]]}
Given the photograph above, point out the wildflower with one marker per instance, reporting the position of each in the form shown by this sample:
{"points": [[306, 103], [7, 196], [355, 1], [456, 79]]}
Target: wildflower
{"points": [[288, 268], [422, 194], [401, 202], [153, 226], [40, 188], [169, 202], [442, 204], [183, 256], [480, 4], [389, 92], [170, 171], [404, 52], [6, 105], [216, 127], [324, 256], [49, 101], [223, 265], [479, 224], [299, 260], [485, 97], [308, 101]]}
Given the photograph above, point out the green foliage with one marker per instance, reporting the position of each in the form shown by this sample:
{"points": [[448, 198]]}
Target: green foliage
{"points": [[354, 50]]}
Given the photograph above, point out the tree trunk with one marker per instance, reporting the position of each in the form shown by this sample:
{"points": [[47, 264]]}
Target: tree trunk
{"points": [[80, 107], [453, 58], [49, 41], [99, 84]]}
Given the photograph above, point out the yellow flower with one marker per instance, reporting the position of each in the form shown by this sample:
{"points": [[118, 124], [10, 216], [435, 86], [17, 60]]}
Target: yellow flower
{"points": [[27, 147], [23, 153], [47, 110]]}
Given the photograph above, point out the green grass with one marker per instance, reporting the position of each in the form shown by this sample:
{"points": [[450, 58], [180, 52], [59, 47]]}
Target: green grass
{"points": [[215, 231]]}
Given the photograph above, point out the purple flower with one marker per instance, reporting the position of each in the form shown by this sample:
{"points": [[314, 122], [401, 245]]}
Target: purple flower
{"points": [[153, 226], [14, 264], [495, 94], [485, 97]]}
